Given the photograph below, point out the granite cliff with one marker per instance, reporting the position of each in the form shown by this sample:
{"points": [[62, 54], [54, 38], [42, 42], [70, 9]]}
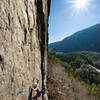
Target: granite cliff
{"points": [[23, 46]]}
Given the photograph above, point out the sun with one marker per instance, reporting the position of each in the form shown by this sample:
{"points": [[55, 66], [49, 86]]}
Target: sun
{"points": [[79, 5]]}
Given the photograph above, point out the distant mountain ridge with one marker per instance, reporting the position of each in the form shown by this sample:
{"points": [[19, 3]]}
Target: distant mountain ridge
{"points": [[87, 39]]}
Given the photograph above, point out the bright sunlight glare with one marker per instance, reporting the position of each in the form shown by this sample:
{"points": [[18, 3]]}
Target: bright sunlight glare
{"points": [[79, 5]]}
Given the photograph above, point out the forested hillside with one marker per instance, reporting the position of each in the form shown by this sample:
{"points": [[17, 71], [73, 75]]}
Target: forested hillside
{"points": [[81, 70], [87, 39]]}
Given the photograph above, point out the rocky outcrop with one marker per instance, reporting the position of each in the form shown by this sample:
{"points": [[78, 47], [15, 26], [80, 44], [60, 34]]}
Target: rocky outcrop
{"points": [[23, 46]]}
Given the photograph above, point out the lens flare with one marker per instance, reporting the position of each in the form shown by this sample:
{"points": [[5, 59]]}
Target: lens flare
{"points": [[79, 5]]}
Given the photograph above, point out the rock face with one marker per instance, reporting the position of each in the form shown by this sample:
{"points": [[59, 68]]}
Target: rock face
{"points": [[23, 46]]}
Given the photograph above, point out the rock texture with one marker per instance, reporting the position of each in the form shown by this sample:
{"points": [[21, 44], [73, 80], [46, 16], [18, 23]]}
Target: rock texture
{"points": [[23, 46]]}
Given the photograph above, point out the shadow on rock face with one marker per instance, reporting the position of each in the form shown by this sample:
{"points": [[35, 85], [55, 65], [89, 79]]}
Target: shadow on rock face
{"points": [[1, 59]]}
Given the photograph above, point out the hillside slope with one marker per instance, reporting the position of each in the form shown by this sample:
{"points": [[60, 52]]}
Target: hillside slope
{"points": [[63, 87], [87, 39]]}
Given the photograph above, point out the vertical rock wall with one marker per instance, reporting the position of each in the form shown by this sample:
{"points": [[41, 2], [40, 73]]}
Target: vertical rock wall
{"points": [[23, 46]]}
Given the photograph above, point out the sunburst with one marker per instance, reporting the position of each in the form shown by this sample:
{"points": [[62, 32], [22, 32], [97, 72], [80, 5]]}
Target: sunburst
{"points": [[78, 6]]}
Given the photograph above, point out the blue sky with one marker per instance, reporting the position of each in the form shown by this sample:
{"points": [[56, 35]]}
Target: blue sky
{"points": [[64, 19]]}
